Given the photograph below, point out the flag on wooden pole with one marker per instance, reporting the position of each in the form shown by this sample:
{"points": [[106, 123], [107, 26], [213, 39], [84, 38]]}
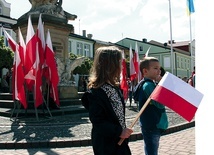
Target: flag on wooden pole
{"points": [[178, 95]]}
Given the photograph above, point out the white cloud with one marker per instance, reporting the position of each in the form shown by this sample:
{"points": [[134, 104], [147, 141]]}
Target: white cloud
{"points": [[112, 20]]}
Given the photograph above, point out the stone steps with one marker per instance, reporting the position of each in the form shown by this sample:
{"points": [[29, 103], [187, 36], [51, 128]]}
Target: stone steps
{"points": [[67, 106], [65, 110]]}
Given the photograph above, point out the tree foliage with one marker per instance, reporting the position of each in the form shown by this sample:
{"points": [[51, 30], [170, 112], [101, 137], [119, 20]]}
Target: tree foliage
{"points": [[6, 55], [84, 69]]}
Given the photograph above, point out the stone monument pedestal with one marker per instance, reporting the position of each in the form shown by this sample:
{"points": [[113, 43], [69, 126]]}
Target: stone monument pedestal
{"points": [[67, 92], [55, 20]]}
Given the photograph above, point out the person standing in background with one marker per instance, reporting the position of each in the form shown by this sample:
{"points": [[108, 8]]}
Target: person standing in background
{"points": [[4, 85]]}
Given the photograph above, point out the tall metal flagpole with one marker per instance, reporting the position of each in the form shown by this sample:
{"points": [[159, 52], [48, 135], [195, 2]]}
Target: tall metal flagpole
{"points": [[191, 52], [190, 11], [172, 61]]}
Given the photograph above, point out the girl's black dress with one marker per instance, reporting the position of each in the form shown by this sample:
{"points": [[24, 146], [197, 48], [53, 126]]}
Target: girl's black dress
{"points": [[107, 114]]}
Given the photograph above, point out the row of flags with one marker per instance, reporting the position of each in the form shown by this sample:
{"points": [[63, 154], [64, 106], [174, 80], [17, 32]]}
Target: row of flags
{"points": [[134, 70], [171, 91], [33, 61], [134, 66]]}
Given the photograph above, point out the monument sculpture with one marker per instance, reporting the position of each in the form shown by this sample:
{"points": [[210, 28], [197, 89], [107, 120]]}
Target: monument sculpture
{"points": [[51, 7], [65, 70], [55, 19]]}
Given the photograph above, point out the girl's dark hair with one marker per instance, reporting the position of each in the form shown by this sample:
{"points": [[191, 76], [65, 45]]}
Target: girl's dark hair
{"points": [[106, 66]]}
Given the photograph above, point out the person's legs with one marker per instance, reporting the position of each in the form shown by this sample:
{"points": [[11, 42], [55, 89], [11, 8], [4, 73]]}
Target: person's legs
{"points": [[151, 141]]}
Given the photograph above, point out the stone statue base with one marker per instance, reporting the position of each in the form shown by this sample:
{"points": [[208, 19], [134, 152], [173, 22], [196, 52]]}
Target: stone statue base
{"points": [[67, 92]]}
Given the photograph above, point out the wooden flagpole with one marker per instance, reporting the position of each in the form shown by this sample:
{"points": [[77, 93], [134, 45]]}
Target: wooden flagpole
{"points": [[136, 118]]}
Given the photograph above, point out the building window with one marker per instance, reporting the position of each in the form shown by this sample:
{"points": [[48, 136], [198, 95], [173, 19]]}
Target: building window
{"points": [[70, 46], [178, 62], [182, 63], [166, 62], [0, 10], [188, 63], [79, 48], [5, 39], [87, 50], [185, 63]]}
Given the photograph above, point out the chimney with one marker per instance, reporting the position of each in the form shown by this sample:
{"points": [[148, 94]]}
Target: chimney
{"points": [[84, 33], [173, 41], [89, 36], [144, 40]]}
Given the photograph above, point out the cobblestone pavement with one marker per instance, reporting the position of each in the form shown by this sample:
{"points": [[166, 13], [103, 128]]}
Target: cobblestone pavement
{"points": [[74, 127], [178, 143]]}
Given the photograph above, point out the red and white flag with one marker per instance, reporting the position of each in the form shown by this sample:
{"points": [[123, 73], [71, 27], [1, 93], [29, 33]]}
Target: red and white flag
{"points": [[178, 95], [131, 65], [30, 56], [41, 40], [18, 74], [52, 68], [137, 62], [10, 40], [147, 52], [22, 46], [123, 84], [38, 97]]}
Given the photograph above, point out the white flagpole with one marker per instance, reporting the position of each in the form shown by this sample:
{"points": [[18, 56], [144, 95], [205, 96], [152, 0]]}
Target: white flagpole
{"points": [[172, 61], [191, 52]]}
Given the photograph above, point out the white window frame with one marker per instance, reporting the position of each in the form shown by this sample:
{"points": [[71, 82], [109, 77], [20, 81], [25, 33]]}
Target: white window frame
{"points": [[166, 62], [79, 48], [87, 50]]}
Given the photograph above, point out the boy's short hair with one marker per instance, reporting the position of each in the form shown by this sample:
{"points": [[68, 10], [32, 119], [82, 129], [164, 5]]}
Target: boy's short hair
{"points": [[145, 63]]}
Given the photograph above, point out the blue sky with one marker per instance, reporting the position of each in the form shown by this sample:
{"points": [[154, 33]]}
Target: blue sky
{"points": [[113, 20]]}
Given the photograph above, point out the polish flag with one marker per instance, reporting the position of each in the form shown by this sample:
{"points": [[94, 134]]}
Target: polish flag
{"points": [[41, 40], [131, 65], [123, 85], [18, 73], [147, 52], [38, 97], [22, 46], [10, 40], [137, 62], [178, 95], [30, 56], [52, 68]]}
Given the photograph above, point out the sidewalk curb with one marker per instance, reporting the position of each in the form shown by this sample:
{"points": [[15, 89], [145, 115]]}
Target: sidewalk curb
{"points": [[81, 142]]}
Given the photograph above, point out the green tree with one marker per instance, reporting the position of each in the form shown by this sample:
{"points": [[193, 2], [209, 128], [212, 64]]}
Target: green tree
{"points": [[84, 69], [6, 55]]}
